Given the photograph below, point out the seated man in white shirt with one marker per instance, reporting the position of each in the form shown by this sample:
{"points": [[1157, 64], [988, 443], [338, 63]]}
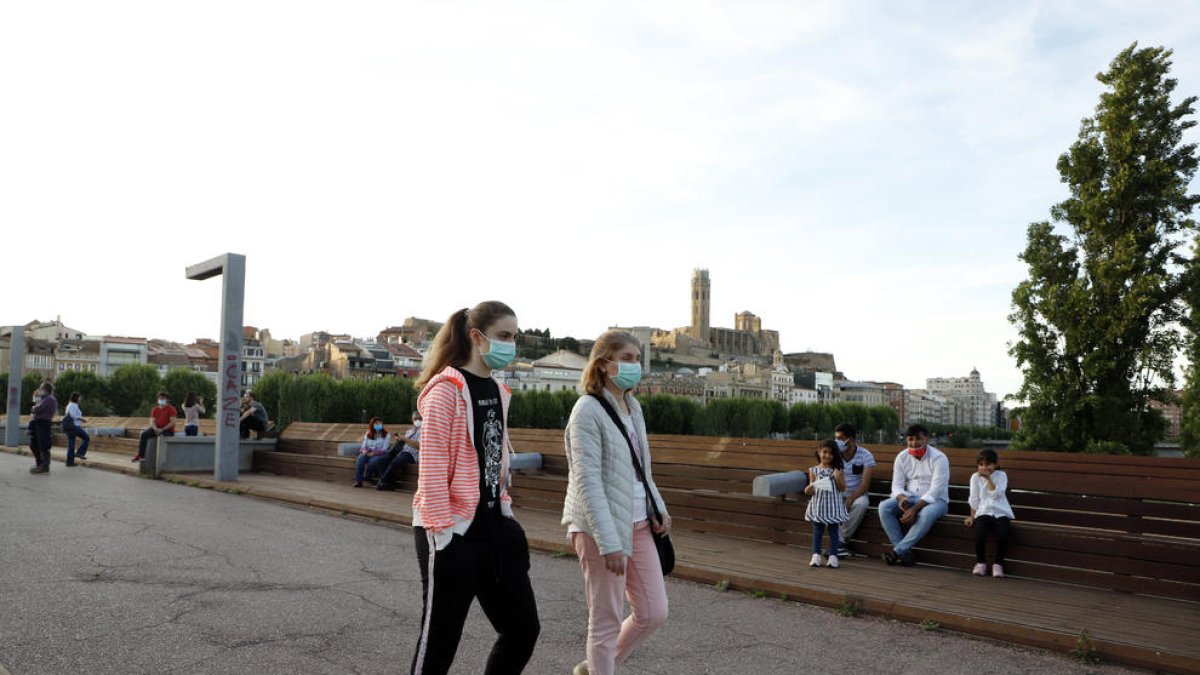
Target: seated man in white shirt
{"points": [[920, 495]]}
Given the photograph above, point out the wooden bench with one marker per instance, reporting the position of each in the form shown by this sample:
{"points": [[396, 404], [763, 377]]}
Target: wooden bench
{"points": [[318, 452], [1120, 523]]}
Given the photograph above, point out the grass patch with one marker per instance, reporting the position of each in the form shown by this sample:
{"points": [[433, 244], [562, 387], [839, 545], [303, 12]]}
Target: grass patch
{"points": [[722, 585], [758, 595], [851, 606], [560, 553], [1085, 650], [930, 625], [783, 596]]}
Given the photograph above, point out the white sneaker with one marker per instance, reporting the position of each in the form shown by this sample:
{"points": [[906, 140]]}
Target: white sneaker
{"points": [[816, 560], [833, 562], [997, 571]]}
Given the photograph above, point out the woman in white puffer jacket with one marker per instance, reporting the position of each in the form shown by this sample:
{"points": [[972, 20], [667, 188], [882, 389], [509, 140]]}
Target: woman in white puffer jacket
{"points": [[607, 513]]}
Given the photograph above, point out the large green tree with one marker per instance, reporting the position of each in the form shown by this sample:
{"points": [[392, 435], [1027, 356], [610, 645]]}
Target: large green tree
{"points": [[1098, 316], [181, 381], [131, 389], [1189, 427], [92, 390]]}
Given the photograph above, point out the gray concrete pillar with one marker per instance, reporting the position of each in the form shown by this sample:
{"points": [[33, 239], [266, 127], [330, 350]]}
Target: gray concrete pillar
{"points": [[232, 268], [12, 429]]}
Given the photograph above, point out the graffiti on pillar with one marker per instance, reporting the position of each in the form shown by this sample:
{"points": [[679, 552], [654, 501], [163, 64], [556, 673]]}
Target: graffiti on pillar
{"points": [[230, 393]]}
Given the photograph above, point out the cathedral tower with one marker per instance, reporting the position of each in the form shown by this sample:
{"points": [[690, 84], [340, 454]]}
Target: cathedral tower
{"points": [[700, 306]]}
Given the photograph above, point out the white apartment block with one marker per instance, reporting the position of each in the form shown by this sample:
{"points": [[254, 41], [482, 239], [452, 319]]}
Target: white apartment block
{"points": [[865, 393], [975, 407], [922, 406]]}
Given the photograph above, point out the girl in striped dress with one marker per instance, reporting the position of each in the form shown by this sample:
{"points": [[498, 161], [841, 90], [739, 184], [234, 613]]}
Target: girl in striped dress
{"points": [[826, 506]]}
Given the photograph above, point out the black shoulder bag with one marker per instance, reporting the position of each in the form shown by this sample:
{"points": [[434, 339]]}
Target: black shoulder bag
{"points": [[662, 542]]}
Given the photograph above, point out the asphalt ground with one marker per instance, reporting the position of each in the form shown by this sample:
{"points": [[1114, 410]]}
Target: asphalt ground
{"points": [[106, 573]]}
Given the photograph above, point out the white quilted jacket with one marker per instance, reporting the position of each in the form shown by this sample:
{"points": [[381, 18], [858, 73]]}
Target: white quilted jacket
{"points": [[600, 484]]}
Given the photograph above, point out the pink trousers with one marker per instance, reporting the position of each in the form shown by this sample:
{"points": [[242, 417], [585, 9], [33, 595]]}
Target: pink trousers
{"points": [[610, 640]]}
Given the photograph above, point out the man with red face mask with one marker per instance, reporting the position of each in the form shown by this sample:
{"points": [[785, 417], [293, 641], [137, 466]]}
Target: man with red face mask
{"points": [[920, 495]]}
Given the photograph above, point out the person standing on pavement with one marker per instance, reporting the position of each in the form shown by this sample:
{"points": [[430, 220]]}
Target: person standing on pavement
{"points": [[73, 422], [42, 415], [607, 510], [468, 543], [162, 423], [859, 466], [920, 495]]}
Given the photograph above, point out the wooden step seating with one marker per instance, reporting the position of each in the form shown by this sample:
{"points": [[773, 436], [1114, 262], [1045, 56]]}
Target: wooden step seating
{"points": [[1129, 524], [1121, 523]]}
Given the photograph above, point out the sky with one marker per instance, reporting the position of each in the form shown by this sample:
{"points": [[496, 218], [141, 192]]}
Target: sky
{"points": [[858, 174]]}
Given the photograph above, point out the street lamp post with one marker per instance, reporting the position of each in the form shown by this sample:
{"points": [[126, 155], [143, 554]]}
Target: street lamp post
{"points": [[16, 351], [232, 269]]}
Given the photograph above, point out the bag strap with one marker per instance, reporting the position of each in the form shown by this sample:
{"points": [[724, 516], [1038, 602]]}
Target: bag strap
{"points": [[637, 464]]}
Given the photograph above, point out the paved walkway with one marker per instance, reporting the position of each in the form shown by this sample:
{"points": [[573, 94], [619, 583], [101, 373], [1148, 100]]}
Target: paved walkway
{"points": [[149, 577]]}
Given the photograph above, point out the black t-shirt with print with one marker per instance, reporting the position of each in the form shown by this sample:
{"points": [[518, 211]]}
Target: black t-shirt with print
{"points": [[489, 437]]}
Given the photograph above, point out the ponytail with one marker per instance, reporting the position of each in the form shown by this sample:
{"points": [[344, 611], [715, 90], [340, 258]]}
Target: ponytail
{"points": [[452, 344]]}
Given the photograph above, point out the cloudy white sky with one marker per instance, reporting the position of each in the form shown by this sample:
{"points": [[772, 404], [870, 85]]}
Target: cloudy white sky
{"points": [[858, 174]]}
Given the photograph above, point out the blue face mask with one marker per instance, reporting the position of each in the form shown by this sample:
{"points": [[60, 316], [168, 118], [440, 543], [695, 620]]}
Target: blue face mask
{"points": [[500, 353], [628, 374], [378, 427]]}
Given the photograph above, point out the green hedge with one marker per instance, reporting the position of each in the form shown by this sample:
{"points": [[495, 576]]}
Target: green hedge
{"points": [[129, 391]]}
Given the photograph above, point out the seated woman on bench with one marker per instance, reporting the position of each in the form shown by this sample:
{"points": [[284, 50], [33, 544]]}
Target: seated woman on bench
{"points": [[372, 456]]}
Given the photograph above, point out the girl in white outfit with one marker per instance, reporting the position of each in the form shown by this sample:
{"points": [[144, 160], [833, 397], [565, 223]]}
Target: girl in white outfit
{"points": [[990, 512]]}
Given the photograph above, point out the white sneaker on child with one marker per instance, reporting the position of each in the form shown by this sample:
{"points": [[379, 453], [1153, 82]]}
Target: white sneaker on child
{"points": [[997, 571], [833, 562], [979, 569], [816, 560]]}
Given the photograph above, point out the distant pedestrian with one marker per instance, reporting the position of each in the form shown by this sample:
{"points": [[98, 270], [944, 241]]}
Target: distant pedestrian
{"points": [[162, 423], [920, 495], [254, 417], [469, 546], [990, 512], [193, 409], [405, 452], [372, 454], [72, 424], [42, 415], [859, 466], [611, 506], [826, 506]]}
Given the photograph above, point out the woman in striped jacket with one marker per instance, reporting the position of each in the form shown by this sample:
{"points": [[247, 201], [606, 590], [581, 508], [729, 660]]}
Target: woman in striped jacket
{"points": [[468, 544]]}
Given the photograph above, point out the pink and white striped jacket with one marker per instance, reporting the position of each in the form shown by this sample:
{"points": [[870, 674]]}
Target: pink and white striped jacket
{"points": [[448, 482]]}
